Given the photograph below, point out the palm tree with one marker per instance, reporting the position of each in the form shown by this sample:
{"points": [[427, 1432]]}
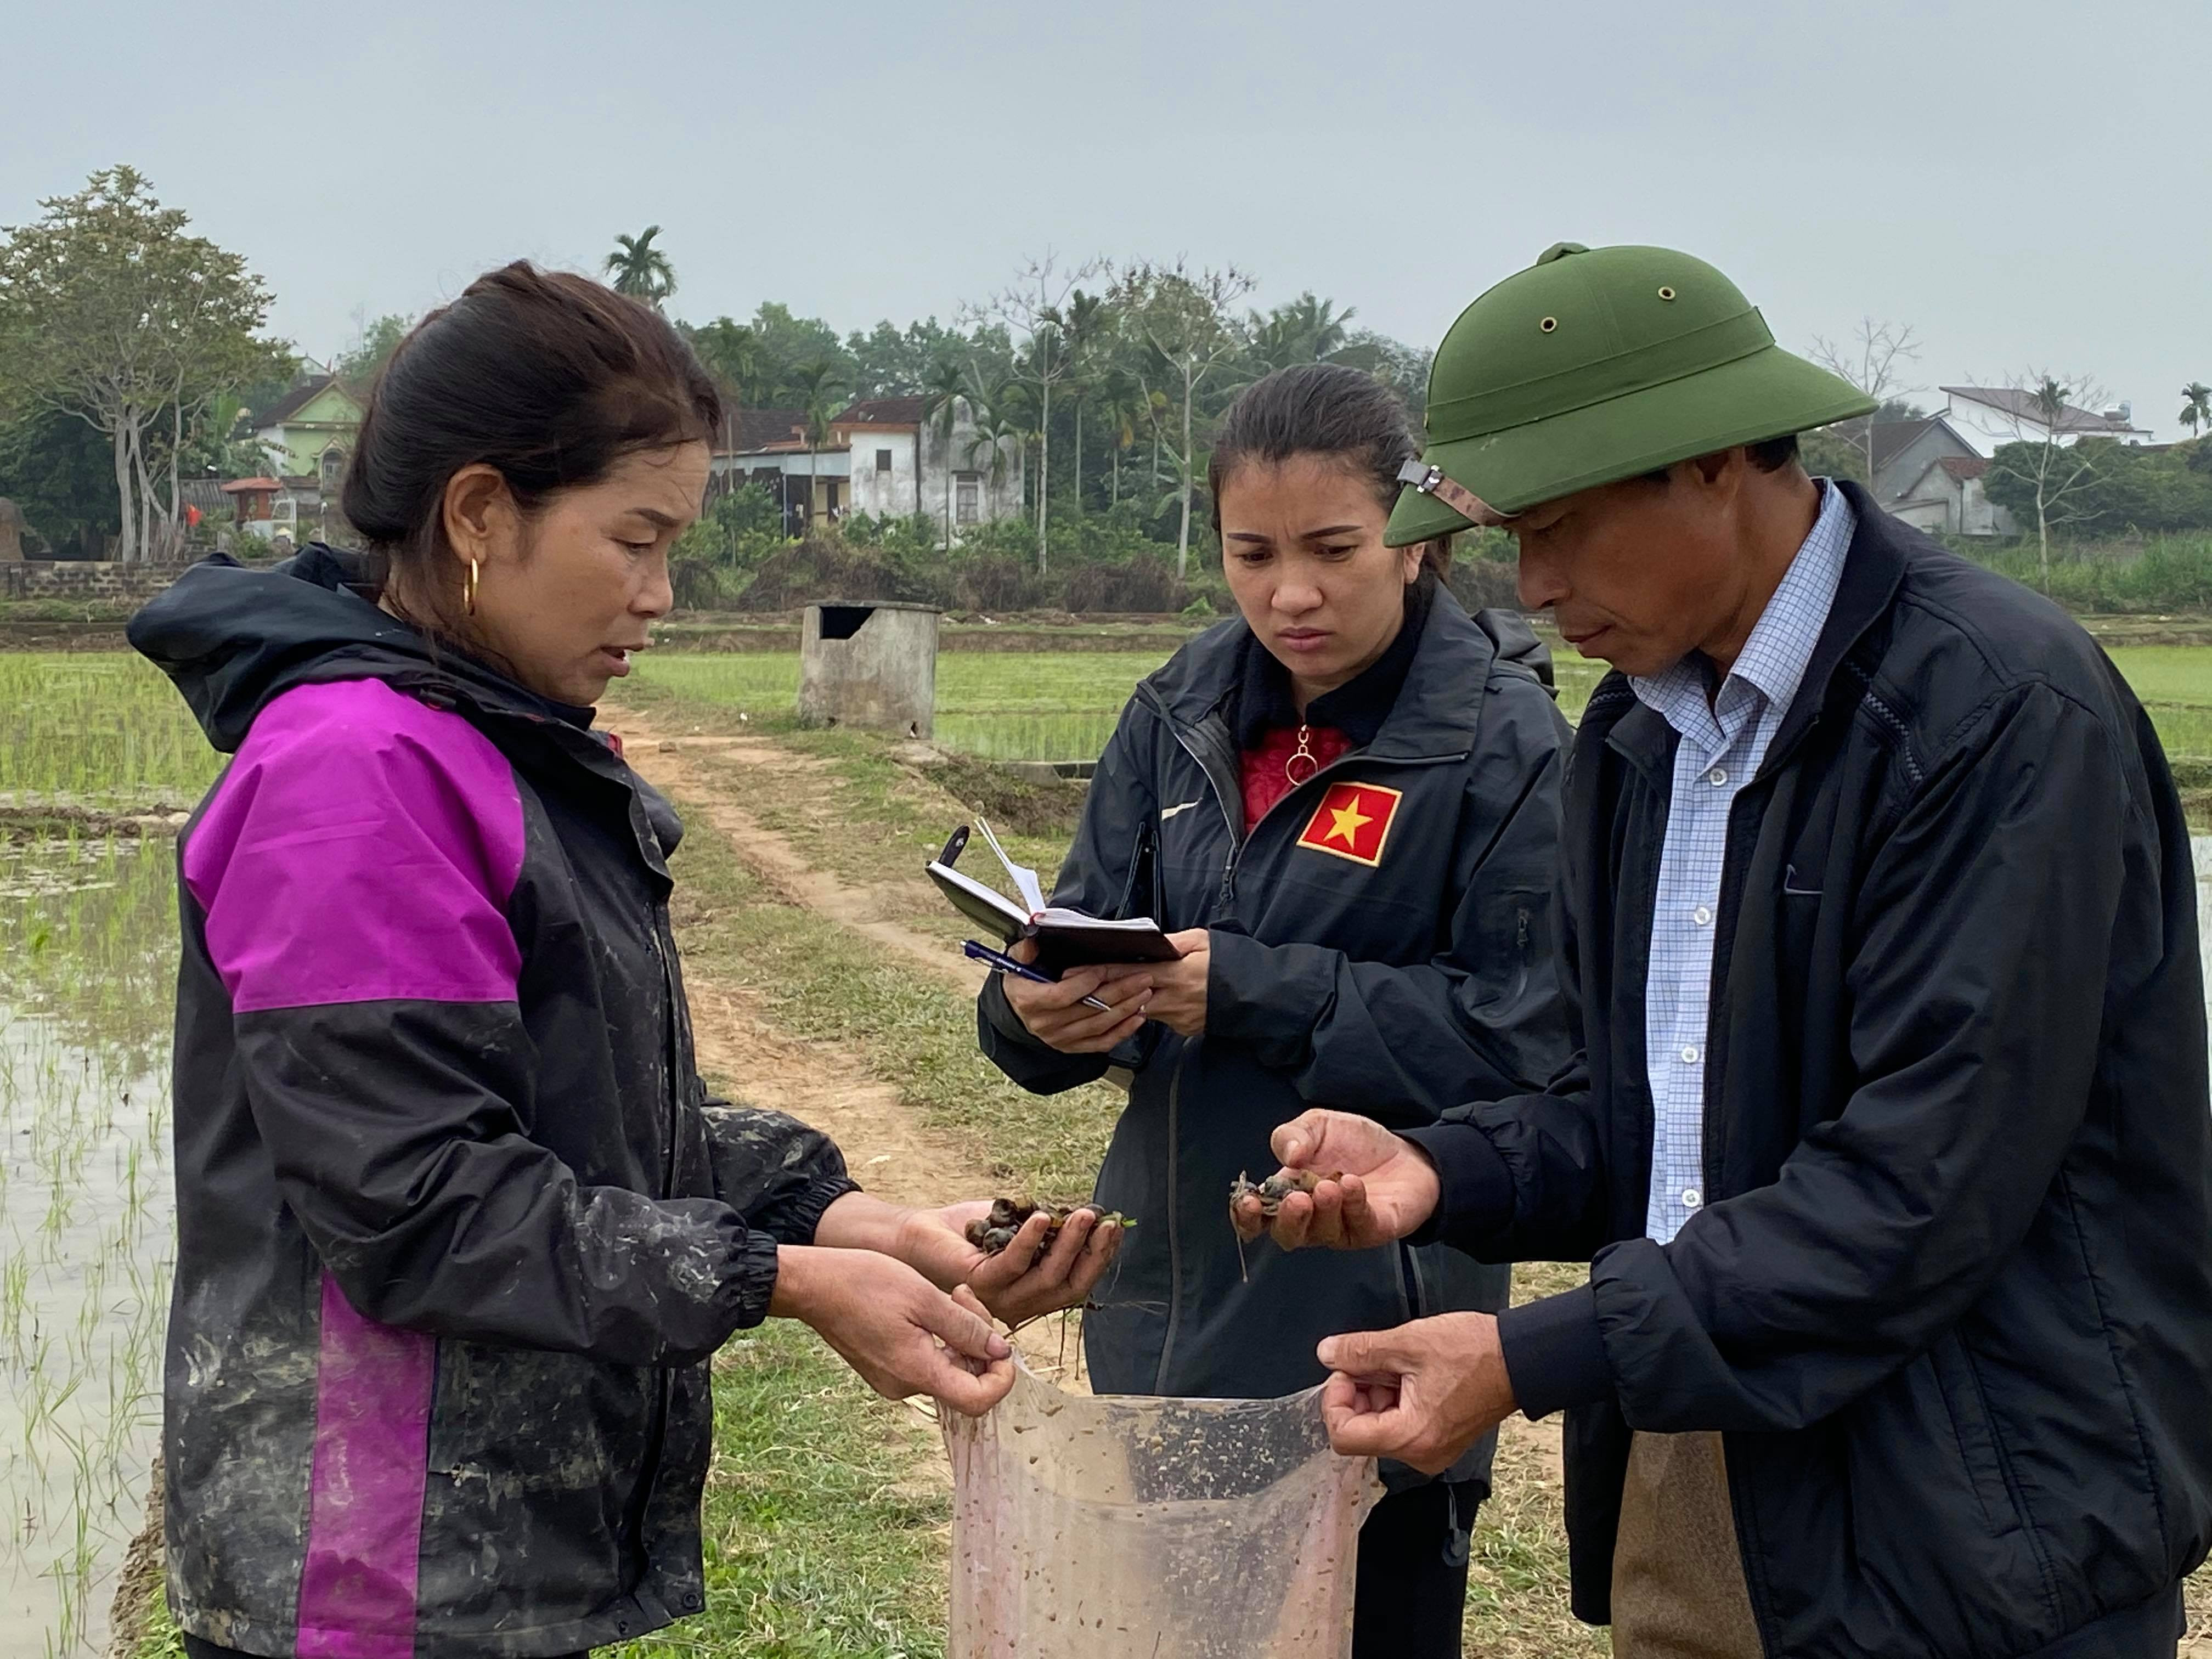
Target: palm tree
{"points": [[995, 428], [2197, 412], [1306, 330], [1087, 319], [942, 389], [641, 269], [821, 394], [1122, 406]]}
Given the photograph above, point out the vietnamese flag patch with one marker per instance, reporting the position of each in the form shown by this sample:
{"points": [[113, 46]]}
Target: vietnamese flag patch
{"points": [[1353, 822]]}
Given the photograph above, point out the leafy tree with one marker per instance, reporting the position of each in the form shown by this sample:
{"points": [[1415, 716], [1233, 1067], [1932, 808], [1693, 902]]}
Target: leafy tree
{"points": [[889, 361], [111, 312], [2197, 408], [641, 269], [373, 346], [788, 343], [56, 468], [1185, 316], [1403, 369]]}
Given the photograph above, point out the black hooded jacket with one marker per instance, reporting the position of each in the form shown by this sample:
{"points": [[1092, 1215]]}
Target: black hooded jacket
{"points": [[1949, 1297], [458, 1227], [1398, 971]]}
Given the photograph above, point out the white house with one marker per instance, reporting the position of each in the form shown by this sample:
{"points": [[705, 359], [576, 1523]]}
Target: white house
{"points": [[880, 457], [1987, 417]]}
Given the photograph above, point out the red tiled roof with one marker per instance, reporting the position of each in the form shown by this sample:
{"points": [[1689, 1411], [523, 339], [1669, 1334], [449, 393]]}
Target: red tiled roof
{"points": [[1963, 467], [883, 411], [750, 430], [240, 486]]}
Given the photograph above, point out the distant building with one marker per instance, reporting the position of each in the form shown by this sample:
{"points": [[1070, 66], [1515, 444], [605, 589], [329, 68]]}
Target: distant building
{"points": [[880, 457], [1988, 416], [1927, 473], [268, 508], [311, 430]]}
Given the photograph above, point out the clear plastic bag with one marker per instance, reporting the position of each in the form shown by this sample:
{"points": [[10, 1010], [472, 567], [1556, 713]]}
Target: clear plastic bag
{"points": [[1119, 1526]]}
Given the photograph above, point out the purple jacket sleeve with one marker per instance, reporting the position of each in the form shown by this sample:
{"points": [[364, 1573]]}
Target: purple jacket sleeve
{"points": [[352, 871]]}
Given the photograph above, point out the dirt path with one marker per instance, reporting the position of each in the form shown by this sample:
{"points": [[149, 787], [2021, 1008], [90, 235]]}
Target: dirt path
{"points": [[669, 762], [891, 1153]]}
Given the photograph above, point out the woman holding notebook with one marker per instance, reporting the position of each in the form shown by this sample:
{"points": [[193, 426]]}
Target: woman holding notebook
{"points": [[1344, 806]]}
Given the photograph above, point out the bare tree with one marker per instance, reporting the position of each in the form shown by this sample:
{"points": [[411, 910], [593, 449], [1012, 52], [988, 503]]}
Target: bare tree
{"points": [[1034, 311], [1873, 359], [1189, 319], [2048, 470]]}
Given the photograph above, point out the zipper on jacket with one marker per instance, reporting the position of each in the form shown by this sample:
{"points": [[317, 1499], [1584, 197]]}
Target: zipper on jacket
{"points": [[1238, 840], [1174, 1232], [656, 1443], [1236, 852]]}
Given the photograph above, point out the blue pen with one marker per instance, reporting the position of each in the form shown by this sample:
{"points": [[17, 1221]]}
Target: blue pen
{"points": [[1006, 964]]}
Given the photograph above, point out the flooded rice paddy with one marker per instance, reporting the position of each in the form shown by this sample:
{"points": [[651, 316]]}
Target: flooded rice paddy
{"points": [[86, 966]]}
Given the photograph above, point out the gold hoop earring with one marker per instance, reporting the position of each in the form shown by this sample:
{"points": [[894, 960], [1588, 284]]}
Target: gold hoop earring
{"points": [[469, 590]]}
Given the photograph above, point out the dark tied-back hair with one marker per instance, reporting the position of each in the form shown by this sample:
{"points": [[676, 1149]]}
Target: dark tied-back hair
{"points": [[1321, 409], [548, 378]]}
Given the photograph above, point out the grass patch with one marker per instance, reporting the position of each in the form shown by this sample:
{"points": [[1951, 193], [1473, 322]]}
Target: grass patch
{"points": [[1042, 705], [814, 979], [98, 727]]}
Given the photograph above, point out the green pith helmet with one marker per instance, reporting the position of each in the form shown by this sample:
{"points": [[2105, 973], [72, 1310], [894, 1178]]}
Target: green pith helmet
{"points": [[1595, 365]]}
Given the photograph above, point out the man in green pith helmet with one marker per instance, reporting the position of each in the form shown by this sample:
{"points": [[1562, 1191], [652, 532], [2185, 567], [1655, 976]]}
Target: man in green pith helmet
{"points": [[1888, 1139]]}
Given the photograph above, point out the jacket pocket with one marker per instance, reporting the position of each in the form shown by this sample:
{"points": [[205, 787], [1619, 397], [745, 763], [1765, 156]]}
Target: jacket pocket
{"points": [[1975, 1435]]}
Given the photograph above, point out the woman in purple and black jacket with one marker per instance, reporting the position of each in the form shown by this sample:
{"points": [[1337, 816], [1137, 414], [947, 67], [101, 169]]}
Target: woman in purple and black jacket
{"points": [[459, 1226]]}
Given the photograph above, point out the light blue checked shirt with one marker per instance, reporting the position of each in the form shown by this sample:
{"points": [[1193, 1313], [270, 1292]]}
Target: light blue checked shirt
{"points": [[1722, 742]]}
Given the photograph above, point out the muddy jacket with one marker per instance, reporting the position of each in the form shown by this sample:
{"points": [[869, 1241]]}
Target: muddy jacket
{"points": [[1396, 967], [1950, 1294], [458, 1227]]}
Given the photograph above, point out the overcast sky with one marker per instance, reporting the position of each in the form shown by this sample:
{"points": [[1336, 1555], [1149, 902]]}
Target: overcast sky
{"points": [[2026, 182]]}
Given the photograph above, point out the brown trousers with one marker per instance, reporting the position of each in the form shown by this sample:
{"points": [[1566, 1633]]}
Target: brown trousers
{"points": [[1677, 1588]]}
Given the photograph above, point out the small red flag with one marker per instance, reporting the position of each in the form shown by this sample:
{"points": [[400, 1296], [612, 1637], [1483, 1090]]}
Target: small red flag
{"points": [[1353, 822]]}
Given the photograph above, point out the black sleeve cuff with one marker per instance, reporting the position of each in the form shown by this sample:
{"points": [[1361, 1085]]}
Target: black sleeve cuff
{"points": [[1474, 1198], [803, 1215], [1554, 1352]]}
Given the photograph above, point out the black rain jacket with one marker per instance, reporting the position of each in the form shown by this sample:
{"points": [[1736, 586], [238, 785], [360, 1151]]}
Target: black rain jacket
{"points": [[1398, 989], [1950, 1296], [458, 1226]]}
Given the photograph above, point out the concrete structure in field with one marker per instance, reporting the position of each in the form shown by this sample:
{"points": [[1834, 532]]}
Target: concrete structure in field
{"points": [[871, 664], [11, 533], [885, 456]]}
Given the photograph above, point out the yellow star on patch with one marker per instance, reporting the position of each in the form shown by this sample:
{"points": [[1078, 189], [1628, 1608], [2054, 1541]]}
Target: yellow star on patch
{"points": [[1348, 820]]}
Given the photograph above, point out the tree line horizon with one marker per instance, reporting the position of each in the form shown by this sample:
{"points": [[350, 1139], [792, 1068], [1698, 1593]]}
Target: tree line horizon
{"points": [[133, 355]]}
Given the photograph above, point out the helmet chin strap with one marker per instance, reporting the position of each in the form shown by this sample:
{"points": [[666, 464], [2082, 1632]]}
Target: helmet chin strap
{"points": [[1431, 481]]}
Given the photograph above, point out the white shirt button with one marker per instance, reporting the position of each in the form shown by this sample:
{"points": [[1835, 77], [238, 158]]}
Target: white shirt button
{"points": [[1718, 776], [1689, 1055], [1701, 915], [1692, 1198]]}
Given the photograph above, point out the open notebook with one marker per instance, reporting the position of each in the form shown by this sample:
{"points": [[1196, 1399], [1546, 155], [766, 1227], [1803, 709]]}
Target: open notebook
{"points": [[1066, 939]]}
